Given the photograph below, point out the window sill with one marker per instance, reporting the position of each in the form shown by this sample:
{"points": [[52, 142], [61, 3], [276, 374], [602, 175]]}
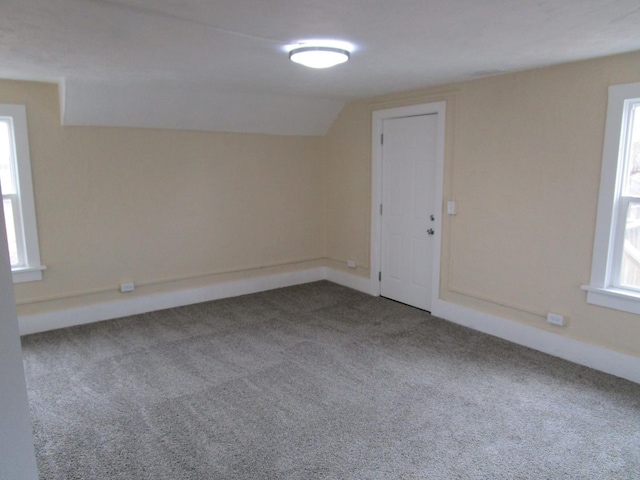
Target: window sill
{"points": [[27, 274], [616, 298]]}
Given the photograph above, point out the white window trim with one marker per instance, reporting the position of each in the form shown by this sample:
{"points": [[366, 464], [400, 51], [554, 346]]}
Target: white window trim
{"points": [[33, 269], [601, 289]]}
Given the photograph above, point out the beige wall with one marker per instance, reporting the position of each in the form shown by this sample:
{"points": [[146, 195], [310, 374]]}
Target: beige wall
{"points": [[523, 160], [348, 188], [164, 209]]}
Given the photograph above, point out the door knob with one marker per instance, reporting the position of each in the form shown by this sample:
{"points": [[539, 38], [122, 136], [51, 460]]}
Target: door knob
{"points": [[431, 231]]}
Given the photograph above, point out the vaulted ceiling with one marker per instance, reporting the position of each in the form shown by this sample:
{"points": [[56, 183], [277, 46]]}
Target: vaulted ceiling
{"points": [[221, 65]]}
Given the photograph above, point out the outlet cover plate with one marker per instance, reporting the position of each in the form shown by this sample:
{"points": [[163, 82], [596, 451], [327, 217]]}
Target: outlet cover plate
{"points": [[555, 319]]}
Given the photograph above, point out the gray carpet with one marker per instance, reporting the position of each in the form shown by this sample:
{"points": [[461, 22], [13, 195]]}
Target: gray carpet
{"points": [[318, 382]]}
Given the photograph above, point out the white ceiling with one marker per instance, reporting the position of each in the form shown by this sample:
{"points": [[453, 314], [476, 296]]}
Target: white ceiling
{"points": [[220, 64]]}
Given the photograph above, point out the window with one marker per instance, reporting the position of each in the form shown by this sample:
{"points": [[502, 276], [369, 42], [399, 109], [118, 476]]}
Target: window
{"points": [[17, 195], [615, 273]]}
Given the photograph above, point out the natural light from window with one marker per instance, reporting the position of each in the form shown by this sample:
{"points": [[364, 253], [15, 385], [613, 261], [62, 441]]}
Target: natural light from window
{"points": [[18, 203], [630, 262], [615, 268], [9, 190]]}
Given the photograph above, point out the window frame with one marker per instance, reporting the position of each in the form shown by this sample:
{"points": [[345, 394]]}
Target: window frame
{"points": [[26, 227], [604, 288]]}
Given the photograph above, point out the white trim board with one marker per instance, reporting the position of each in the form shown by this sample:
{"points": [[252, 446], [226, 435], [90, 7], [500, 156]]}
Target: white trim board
{"points": [[125, 307], [576, 351], [362, 284], [582, 353]]}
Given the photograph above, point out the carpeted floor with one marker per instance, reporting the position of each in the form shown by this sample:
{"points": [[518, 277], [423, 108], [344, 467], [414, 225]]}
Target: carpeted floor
{"points": [[318, 382]]}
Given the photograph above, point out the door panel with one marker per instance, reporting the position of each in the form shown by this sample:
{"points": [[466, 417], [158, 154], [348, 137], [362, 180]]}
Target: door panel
{"points": [[408, 197]]}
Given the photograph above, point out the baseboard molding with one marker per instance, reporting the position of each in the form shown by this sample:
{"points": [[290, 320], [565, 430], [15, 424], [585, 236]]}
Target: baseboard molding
{"points": [[593, 356], [576, 351], [132, 306], [362, 284]]}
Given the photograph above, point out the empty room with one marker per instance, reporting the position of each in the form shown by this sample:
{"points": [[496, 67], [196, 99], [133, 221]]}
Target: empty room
{"points": [[319, 240]]}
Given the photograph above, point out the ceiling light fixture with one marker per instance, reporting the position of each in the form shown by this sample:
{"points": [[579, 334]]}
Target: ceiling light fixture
{"points": [[316, 56]]}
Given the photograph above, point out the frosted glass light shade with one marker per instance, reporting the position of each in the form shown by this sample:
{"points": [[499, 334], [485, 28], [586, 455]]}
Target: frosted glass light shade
{"points": [[319, 57]]}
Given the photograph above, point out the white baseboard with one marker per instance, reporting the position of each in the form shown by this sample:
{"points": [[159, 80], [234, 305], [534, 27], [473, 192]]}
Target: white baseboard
{"points": [[362, 284], [135, 305], [599, 358], [576, 351]]}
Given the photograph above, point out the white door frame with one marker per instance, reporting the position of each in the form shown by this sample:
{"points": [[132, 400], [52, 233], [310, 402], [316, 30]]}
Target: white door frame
{"points": [[379, 116]]}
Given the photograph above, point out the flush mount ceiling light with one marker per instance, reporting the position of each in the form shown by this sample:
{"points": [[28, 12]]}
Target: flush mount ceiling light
{"points": [[318, 56]]}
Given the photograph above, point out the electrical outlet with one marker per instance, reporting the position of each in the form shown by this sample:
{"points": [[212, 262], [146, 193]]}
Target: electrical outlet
{"points": [[555, 319], [351, 263], [126, 287]]}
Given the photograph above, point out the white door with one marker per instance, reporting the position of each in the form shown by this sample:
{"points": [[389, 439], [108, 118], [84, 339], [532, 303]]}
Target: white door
{"points": [[409, 152]]}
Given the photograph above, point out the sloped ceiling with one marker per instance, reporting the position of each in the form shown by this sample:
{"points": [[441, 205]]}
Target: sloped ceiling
{"points": [[221, 65]]}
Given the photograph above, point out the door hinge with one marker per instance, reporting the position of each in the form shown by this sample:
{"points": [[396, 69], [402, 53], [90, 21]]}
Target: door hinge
{"points": [[380, 209], [381, 139], [379, 276]]}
